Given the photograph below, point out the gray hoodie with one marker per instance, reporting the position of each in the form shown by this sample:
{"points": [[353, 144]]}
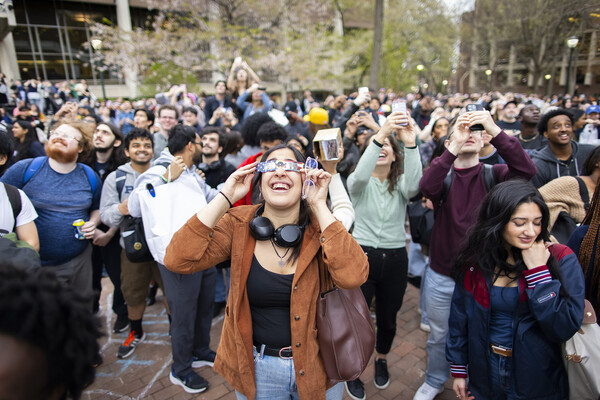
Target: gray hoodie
{"points": [[549, 167], [110, 200]]}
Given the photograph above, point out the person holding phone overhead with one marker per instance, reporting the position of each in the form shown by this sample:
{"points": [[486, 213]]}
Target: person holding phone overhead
{"points": [[380, 187], [257, 102], [517, 298]]}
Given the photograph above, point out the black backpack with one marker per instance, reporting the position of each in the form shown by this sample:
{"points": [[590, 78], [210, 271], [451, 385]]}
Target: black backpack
{"points": [[134, 238]]}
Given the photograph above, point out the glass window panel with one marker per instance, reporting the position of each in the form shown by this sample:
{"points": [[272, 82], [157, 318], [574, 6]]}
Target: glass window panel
{"points": [[55, 67], [19, 12], [49, 40], [83, 69], [21, 39], [77, 38], [26, 67], [40, 12]]}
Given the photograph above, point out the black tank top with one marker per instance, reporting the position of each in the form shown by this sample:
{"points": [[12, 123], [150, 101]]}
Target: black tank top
{"points": [[269, 296]]}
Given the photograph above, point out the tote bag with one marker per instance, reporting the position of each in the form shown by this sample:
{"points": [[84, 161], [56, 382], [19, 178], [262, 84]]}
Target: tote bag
{"points": [[168, 210]]}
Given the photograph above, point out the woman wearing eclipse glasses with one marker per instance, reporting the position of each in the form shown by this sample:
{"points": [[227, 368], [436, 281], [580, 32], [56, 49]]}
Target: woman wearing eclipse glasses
{"points": [[269, 347], [380, 186]]}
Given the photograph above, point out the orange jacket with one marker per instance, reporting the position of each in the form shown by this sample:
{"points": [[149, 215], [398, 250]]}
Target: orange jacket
{"points": [[196, 247]]}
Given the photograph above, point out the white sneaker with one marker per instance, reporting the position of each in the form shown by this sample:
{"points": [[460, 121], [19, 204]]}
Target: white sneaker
{"points": [[427, 392], [425, 327]]}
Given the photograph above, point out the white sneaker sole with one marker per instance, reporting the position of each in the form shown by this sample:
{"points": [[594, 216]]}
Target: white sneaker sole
{"points": [[383, 386], [177, 382], [202, 363], [352, 396]]}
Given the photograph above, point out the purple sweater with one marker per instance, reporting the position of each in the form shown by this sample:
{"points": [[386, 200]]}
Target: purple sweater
{"points": [[456, 215]]}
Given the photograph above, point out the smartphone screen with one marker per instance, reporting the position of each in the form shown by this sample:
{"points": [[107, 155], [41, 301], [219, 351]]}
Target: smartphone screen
{"points": [[399, 106]]}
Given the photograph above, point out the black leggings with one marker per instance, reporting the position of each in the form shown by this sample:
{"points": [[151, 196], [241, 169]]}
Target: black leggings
{"points": [[388, 270]]}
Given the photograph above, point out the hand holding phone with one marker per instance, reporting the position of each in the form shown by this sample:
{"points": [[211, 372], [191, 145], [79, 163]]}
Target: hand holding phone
{"points": [[399, 106], [471, 108]]}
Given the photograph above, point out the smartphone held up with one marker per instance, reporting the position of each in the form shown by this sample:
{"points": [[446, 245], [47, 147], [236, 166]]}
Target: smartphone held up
{"points": [[471, 108], [399, 106]]}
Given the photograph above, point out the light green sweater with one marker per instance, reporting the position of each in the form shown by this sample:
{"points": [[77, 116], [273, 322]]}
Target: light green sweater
{"points": [[380, 215]]}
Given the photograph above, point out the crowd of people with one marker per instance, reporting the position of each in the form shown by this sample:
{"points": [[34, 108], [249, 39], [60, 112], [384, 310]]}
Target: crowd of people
{"points": [[238, 218]]}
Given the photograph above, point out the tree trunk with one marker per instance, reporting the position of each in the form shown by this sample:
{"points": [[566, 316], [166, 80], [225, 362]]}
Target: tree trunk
{"points": [[377, 38]]}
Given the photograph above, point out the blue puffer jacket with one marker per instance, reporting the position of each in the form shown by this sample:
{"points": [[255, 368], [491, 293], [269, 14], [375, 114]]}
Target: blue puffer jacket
{"points": [[543, 320]]}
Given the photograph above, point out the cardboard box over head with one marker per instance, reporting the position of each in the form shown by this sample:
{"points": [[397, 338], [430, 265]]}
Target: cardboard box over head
{"points": [[326, 144]]}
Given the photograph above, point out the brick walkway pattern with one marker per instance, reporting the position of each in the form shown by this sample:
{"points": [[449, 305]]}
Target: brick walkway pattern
{"points": [[145, 374]]}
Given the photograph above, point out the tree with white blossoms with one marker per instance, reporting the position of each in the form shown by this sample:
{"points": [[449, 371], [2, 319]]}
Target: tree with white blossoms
{"points": [[293, 43]]}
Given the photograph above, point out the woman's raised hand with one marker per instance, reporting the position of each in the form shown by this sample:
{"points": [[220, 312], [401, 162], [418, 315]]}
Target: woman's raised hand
{"points": [[238, 183], [318, 195], [537, 255]]}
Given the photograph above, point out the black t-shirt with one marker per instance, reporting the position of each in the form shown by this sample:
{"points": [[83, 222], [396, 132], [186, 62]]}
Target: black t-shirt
{"points": [[269, 296], [535, 143], [510, 128]]}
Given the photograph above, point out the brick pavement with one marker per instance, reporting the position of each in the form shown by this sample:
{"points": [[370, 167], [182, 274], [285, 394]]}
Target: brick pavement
{"points": [[145, 375]]}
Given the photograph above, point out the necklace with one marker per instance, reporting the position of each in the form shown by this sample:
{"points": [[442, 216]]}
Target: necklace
{"points": [[281, 262], [522, 139]]}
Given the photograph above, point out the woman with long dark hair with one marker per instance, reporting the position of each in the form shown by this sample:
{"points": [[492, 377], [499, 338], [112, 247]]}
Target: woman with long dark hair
{"points": [[515, 301], [584, 242], [278, 248], [27, 143], [384, 180]]}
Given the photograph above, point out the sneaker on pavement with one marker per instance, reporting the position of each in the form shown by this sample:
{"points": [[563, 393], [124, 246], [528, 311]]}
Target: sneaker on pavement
{"points": [[128, 347], [121, 324], [425, 327], [427, 392], [209, 360], [356, 389], [382, 377], [191, 383]]}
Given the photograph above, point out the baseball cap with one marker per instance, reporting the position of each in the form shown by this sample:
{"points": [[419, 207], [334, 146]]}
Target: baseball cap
{"points": [[592, 109], [290, 106], [510, 102], [318, 116]]}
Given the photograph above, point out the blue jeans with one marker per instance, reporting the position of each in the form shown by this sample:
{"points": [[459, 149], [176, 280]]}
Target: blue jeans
{"points": [[500, 373], [438, 297], [417, 264], [276, 379]]}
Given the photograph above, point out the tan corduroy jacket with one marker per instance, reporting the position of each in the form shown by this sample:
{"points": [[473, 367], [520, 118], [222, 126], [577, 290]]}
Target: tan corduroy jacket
{"points": [[196, 247]]}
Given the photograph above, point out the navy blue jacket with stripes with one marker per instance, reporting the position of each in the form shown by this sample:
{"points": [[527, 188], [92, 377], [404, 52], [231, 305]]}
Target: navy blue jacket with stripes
{"points": [[543, 320]]}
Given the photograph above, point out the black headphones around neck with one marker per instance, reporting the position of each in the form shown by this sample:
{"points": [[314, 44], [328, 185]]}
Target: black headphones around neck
{"points": [[261, 228]]}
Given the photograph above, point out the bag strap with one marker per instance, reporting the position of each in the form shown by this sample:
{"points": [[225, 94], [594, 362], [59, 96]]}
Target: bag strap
{"points": [[120, 180], [489, 180], [91, 175], [583, 192], [324, 276], [33, 168], [37, 162], [14, 197]]}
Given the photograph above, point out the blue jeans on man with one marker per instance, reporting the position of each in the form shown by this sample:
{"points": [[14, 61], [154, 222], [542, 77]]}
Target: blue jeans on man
{"points": [[438, 299]]}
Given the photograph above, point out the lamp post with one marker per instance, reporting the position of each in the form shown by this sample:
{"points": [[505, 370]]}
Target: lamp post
{"points": [[488, 73], [571, 44], [445, 85], [420, 68], [548, 77], [97, 46]]}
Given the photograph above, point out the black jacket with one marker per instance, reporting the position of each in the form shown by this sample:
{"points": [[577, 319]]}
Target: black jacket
{"points": [[549, 167]]}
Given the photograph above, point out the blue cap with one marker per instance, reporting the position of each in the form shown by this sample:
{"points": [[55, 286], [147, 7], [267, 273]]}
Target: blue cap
{"points": [[592, 109]]}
